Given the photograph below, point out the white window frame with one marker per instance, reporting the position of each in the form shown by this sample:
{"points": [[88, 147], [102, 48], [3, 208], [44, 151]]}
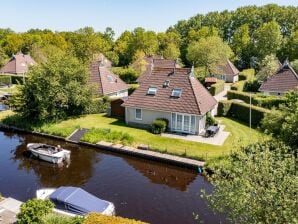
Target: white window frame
{"points": [[139, 119], [190, 131], [176, 90], [152, 91]]}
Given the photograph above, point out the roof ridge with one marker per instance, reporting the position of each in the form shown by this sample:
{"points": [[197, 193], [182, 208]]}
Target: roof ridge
{"points": [[193, 92]]}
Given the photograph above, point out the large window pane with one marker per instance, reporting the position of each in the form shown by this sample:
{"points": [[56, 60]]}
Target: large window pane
{"points": [[193, 124], [138, 114], [186, 123], [173, 126], [179, 122]]}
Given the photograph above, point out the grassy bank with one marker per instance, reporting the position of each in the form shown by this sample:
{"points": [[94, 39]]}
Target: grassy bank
{"points": [[240, 135]]}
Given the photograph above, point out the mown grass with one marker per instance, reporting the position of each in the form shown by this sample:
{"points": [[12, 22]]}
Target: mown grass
{"points": [[240, 135]]}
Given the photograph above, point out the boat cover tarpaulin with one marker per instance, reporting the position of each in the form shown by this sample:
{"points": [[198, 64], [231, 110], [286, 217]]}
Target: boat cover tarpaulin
{"points": [[78, 201]]}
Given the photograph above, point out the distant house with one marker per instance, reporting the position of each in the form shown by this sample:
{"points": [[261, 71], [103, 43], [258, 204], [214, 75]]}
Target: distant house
{"points": [[156, 62], [283, 80], [18, 64], [209, 81], [227, 72], [106, 82], [174, 94]]}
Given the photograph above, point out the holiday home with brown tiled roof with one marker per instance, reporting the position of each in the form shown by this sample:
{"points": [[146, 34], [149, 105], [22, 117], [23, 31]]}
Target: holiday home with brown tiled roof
{"points": [[174, 94], [285, 79], [106, 82], [227, 71], [18, 64]]}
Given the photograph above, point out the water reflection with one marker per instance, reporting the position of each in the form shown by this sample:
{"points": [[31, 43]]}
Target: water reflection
{"points": [[140, 189]]}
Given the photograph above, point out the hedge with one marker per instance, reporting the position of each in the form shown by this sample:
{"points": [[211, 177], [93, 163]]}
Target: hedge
{"points": [[128, 75], [257, 100], [239, 86], [241, 111], [95, 218], [247, 74], [217, 87], [5, 80], [132, 88]]}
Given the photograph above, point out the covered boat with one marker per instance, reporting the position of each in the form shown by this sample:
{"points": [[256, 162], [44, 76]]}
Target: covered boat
{"points": [[48, 153], [74, 201]]}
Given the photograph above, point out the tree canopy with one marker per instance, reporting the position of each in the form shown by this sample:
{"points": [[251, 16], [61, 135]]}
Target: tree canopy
{"points": [[53, 90]]}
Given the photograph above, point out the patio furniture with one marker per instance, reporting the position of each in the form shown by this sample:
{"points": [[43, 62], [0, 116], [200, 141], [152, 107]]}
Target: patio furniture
{"points": [[211, 131]]}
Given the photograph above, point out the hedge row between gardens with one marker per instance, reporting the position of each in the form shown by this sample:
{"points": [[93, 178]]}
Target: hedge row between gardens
{"points": [[239, 86], [95, 218], [13, 79], [257, 100], [217, 87], [5, 80], [241, 111]]}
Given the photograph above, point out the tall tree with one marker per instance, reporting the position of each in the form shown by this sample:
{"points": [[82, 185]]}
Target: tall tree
{"points": [[267, 39], [209, 52], [54, 89]]}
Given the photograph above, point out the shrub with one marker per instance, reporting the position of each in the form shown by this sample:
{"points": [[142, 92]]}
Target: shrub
{"points": [[224, 107], [257, 100], [95, 218], [128, 75], [210, 120], [217, 87], [16, 79], [5, 80], [241, 112], [99, 105], [247, 74], [238, 86], [103, 134], [59, 219], [252, 86], [159, 125], [34, 210]]}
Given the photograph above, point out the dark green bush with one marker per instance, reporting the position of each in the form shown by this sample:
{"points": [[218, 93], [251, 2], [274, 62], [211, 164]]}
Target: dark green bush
{"points": [[217, 87], [241, 112], [224, 107], [159, 125], [210, 120], [16, 79], [252, 86], [99, 105], [34, 210], [128, 75]]}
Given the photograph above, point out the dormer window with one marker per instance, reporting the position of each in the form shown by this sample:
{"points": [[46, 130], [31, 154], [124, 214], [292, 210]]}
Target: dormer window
{"points": [[152, 91], [166, 83], [176, 92]]}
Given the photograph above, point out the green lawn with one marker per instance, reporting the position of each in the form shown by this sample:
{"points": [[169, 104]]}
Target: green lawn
{"points": [[239, 135]]}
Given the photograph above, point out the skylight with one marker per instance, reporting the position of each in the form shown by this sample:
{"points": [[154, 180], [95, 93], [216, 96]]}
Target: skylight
{"points": [[176, 92], [152, 91], [166, 83]]}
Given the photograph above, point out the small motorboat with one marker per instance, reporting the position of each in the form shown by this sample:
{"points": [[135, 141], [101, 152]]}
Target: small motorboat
{"points": [[74, 201], [49, 153]]}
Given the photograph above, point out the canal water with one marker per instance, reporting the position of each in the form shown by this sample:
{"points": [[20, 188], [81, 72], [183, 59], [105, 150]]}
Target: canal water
{"points": [[140, 189]]}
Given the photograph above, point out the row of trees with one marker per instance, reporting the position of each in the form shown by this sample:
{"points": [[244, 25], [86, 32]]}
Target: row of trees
{"points": [[251, 33]]}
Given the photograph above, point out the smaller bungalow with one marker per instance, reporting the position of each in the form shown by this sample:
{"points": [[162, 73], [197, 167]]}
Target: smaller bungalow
{"points": [[285, 79], [106, 82], [174, 94], [18, 64], [227, 72]]}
